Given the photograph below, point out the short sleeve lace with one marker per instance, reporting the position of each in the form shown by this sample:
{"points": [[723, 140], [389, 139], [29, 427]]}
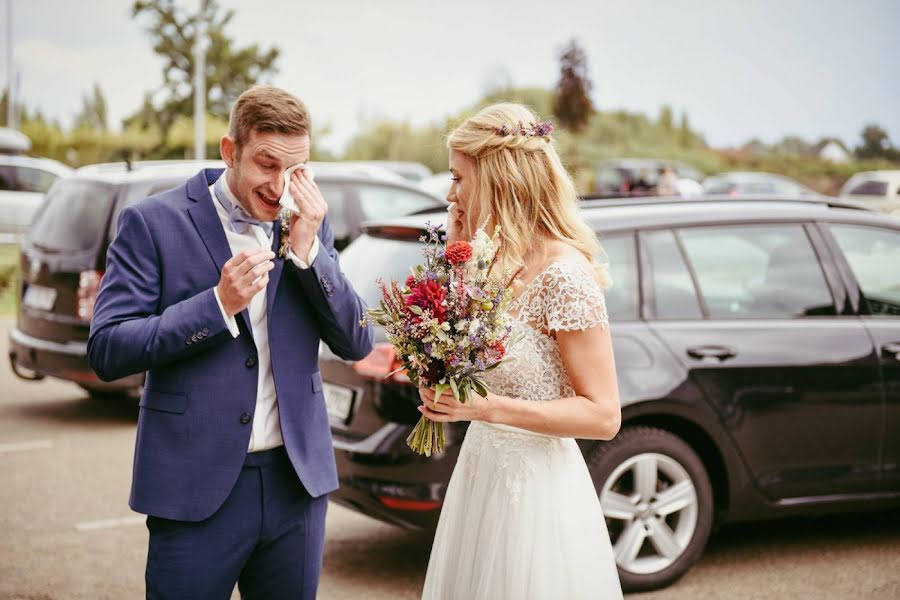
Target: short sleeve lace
{"points": [[567, 297]]}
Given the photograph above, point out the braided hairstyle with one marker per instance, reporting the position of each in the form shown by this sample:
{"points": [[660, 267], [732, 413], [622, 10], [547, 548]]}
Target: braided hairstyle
{"points": [[522, 186]]}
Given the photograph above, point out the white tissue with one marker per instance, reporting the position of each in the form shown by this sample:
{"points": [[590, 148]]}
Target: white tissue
{"points": [[286, 200]]}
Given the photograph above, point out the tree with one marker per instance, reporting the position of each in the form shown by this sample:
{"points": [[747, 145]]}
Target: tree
{"points": [[666, 119], [229, 70], [572, 103], [93, 113], [686, 136], [876, 144]]}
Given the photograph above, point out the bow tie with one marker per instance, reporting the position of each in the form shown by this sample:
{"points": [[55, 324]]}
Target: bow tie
{"points": [[239, 219]]}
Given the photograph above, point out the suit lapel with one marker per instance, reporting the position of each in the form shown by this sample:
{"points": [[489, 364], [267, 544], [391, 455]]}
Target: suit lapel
{"points": [[206, 220], [275, 273]]}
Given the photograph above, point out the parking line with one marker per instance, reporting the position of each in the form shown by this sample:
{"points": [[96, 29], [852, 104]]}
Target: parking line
{"points": [[111, 523], [21, 446]]}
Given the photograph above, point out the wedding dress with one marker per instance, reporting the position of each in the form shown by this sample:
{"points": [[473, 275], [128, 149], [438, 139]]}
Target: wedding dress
{"points": [[521, 519]]}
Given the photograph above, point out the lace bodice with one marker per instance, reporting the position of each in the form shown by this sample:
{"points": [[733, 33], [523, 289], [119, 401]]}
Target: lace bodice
{"points": [[564, 297]]}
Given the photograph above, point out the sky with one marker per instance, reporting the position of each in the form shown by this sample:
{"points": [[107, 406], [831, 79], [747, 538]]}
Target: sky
{"points": [[740, 69]]}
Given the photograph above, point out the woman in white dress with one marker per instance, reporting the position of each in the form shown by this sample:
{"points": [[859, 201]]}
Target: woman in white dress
{"points": [[521, 519]]}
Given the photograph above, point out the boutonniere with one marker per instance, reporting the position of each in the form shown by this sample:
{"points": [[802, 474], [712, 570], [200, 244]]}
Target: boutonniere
{"points": [[284, 220]]}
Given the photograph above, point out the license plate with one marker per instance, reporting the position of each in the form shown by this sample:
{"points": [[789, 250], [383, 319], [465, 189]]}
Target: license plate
{"points": [[39, 297], [338, 401]]}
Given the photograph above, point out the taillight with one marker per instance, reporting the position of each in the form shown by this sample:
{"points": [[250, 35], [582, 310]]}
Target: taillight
{"points": [[382, 363], [88, 286]]}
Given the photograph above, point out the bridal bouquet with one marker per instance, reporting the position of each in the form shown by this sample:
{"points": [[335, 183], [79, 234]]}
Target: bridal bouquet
{"points": [[448, 322]]}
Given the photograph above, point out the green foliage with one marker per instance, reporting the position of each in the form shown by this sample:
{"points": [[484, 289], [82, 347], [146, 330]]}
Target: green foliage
{"points": [[572, 101], [229, 70], [9, 259], [93, 113], [386, 140], [876, 144]]}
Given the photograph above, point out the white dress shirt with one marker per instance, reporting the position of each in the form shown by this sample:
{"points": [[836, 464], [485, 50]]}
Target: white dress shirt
{"points": [[266, 433]]}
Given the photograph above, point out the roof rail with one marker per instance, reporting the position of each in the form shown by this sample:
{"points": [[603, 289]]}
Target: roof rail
{"points": [[593, 200]]}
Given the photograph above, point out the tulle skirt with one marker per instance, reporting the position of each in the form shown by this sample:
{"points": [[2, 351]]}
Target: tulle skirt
{"points": [[521, 520]]}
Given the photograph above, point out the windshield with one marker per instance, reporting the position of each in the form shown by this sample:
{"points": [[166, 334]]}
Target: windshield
{"points": [[74, 216]]}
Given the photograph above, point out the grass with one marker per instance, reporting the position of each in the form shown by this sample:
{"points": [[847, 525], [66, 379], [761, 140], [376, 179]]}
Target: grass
{"points": [[9, 259]]}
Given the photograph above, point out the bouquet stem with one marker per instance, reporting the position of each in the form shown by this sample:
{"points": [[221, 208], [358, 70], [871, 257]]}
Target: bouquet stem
{"points": [[428, 436]]}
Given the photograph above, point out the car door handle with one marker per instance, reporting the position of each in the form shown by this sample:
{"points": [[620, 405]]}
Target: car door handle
{"points": [[891, 349], [711, 354]]}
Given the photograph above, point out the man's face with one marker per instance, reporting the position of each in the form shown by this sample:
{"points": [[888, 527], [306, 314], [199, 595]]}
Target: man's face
{"points": [[255, 170]]}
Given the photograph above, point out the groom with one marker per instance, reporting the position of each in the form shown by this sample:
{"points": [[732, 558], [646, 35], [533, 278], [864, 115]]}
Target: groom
{"points": [[233, 458]]}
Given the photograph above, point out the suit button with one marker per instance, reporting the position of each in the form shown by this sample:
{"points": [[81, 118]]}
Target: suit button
{"points": [[205, 332], [245, 418], [251, 362]]}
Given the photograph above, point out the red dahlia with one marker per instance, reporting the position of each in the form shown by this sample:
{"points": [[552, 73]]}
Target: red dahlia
{"points": [[459, 252], [429, 295]]}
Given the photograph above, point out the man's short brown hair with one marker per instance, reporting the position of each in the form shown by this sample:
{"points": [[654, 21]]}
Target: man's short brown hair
{"points": [[266, 108]]}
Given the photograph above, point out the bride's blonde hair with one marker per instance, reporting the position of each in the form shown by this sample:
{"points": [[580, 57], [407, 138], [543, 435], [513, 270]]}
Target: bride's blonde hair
{"points": [[522, 185]]}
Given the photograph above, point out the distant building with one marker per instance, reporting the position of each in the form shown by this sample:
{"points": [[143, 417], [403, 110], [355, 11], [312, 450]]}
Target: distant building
{"points": [[832, 149]]}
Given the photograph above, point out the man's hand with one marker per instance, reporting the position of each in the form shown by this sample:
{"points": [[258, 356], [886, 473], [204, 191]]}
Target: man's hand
{"points": [[305, 227], [244, 276]]}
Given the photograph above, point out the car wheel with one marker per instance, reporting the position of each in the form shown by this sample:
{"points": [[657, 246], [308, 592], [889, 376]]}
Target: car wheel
{"points": [[658, 503]]}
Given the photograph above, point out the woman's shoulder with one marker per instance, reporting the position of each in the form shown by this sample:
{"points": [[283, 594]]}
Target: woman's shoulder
{"points": [[563, 257]]}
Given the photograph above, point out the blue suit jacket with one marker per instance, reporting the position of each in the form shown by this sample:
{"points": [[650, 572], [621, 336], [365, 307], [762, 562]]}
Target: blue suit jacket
{"points": [[156, 312]]}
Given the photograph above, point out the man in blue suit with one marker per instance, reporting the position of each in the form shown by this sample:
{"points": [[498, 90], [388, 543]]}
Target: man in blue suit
{"points": [[233, 458]]}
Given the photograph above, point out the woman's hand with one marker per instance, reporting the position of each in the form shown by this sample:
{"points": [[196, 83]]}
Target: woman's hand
{"points": [[454, 225], [449, 409]]}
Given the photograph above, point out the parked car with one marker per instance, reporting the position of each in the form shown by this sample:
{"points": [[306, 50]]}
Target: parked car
{"points": [[63, 255], [758, 360], [23, 182], [755, 183], [438, 184], [13, 141], [636, 176], [409, 170], [879, 190]]}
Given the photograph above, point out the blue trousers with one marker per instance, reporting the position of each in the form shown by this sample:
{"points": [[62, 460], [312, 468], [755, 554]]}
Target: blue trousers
{"points": [[268, 537]]}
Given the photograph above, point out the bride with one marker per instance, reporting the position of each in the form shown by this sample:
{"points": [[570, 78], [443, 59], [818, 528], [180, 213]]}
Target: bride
{"points": [[521, 519]]}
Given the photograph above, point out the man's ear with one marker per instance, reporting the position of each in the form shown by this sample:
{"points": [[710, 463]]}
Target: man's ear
{"points": [[227, 150]]}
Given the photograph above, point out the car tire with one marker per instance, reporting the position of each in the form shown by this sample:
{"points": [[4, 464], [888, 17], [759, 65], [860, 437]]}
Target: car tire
{"points": [[641, 475]]}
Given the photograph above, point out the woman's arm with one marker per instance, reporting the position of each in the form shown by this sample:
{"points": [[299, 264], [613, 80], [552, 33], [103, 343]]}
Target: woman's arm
{"points": [[592, 413]]}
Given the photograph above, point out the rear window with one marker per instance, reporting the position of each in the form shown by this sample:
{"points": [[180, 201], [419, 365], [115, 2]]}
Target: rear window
{"points": [[74, 216], [718, 186], [394, 258], [870, 188]]}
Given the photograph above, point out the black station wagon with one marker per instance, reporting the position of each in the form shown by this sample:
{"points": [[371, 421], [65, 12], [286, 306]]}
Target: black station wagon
{"points": [[757, 347]]}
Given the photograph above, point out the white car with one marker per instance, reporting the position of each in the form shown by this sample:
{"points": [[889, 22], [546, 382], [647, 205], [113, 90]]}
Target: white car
{"points": [[879, 190], [23, 182]]}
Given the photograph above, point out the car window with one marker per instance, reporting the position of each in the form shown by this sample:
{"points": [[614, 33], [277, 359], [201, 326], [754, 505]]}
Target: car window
{"points": [[671, 293], [383, 202], [622, 297], [718, 186], [136, 192], [874, 256], [34, 180], [7, 178], [869, 188], [336, 197], [757, 271], [74, 216], [393, 257], [758, 187], [609, 179]]}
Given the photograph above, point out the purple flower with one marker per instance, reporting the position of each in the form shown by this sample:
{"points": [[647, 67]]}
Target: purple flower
{"points": [[543, 129]]}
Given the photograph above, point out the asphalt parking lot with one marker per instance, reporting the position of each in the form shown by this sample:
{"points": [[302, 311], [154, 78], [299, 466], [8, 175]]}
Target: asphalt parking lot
{"points": [[67, 532]]}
